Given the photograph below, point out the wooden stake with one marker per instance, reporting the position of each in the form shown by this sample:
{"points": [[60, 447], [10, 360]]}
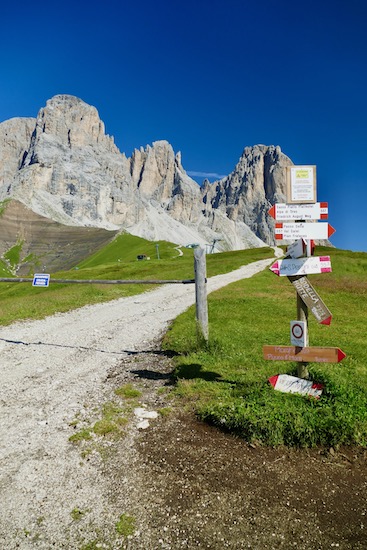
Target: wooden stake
{"points": [[302, 315], [201, 294]]}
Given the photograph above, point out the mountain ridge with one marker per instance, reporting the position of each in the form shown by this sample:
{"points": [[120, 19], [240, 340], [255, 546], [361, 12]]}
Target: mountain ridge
{"points": [[64, 166]]}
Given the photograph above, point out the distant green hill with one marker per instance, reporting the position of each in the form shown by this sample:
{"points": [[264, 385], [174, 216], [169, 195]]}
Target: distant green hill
{"points": [[30, 243]]}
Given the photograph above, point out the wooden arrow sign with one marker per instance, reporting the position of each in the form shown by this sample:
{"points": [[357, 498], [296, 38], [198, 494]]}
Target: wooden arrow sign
{"points": [[302, 266], [292, 231], [285, 212], [312, 300], [305, 355]]}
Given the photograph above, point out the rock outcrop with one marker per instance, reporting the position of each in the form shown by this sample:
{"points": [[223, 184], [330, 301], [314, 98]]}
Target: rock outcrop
{"points": [[63, 166], [15, 139], [257, 182]]}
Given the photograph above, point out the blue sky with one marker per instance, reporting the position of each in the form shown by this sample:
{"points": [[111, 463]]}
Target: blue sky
{"points": [[211, 77]]}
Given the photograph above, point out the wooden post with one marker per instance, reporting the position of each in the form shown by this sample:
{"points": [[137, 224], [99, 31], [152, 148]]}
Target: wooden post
{"points": [[302, 315], [201, 294]]}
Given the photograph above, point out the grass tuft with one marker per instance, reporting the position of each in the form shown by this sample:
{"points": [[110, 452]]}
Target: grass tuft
{"points": [[125, 525], [128, 392]]}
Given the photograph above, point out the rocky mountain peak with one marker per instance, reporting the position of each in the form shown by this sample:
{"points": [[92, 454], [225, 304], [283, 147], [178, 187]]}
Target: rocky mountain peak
{"points": [[65, 123], [257, 181], [64, 166]]}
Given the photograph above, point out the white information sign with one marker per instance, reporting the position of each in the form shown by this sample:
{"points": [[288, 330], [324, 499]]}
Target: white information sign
{"points": [[299, 334], [301, 184], [286, 212], [292, 231], [41, 279]]}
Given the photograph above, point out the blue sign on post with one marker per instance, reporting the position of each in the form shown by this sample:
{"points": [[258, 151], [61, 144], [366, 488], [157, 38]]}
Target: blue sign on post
{"points": [[41, 279]]}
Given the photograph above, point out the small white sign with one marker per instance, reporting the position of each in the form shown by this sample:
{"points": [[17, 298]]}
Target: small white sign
{"points": [[297, 249], [299, 334], [41, 279]]}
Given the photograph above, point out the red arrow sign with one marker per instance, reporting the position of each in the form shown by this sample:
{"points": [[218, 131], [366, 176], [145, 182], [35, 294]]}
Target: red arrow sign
{"points": [[292, 231], [305, 355], [292, 384], [302, 266], [285, 212]]}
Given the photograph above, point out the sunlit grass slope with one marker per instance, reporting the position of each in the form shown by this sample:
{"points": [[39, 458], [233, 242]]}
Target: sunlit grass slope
{"points": [[226, 380], [117, 260]]}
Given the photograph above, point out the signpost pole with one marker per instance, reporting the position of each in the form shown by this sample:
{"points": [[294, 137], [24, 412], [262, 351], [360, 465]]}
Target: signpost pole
{"points": [[302, 315]]}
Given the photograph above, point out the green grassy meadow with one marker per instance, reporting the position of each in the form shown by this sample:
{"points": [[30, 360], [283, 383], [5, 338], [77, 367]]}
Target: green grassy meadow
{"points": [[117, 260], [226, 379]]}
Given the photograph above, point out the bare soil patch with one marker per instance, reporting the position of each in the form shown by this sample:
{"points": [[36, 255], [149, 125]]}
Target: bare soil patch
{"points": [[205, 489]]}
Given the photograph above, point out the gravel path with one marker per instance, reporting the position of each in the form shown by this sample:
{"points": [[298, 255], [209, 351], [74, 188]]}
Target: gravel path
{"points": [[52, 372]]}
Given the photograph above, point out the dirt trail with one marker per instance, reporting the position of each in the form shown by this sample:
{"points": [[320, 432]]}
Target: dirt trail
{"points": [[52, 372]]}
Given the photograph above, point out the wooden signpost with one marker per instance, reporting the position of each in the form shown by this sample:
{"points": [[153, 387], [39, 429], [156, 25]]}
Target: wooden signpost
{"points": [[311, 299], [305, 355], [291, 224]]}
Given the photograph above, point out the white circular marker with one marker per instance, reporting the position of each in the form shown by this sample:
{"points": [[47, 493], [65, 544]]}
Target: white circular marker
{"points": [[297, 330]]}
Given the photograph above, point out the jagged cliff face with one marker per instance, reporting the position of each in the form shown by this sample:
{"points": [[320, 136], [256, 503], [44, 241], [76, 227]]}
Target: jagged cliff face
{"points": [[15, 138], [257, 182], [62, 165]]}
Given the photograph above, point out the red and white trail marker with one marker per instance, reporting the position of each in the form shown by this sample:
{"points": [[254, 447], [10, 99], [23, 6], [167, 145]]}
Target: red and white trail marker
{"points": [[302, 266], [291, 231], [286, 212], [291, 384]]}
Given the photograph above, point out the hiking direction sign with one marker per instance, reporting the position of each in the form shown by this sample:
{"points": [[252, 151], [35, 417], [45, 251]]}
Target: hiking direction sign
{"points": [[291, 231], [298, 221], [302, 266], [290, 212]]}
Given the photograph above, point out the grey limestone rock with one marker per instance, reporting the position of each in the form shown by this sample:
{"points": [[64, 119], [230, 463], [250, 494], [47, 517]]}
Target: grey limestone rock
{"points": [[64, 166]]}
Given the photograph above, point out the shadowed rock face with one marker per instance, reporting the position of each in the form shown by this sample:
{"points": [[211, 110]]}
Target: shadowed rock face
{"points": [[62, 165]]}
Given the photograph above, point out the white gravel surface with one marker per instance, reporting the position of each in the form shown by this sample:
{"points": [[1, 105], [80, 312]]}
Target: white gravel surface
{"points": [[53, 371]]}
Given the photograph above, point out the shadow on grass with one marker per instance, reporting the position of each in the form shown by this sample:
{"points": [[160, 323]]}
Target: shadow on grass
{"points": [[194, 370]]}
